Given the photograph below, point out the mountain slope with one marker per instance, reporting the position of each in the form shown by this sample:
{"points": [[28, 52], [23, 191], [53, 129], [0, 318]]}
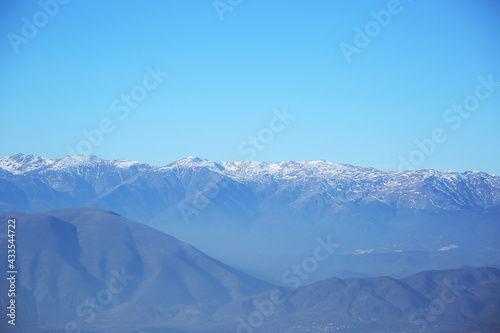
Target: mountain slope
{"points": [[68, 257]]}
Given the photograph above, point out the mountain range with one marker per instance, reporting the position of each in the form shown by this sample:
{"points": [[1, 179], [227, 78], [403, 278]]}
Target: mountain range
{"points": [[267, 216], [91, 270]]}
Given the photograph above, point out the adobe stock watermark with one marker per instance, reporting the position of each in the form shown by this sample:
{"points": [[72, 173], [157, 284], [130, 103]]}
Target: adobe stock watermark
{"points": [[453, 116], [30, 26], [257, 143], [223, 6], [364, 36], [437, 306], [87, 309], [122, 107], [293, 277]]}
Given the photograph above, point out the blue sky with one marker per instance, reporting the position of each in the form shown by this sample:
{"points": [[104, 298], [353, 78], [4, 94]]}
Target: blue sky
{"points": [[227, 79]]}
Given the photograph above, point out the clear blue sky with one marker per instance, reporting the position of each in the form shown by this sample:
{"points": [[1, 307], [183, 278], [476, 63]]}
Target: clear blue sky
{"points": [[227, 76]]}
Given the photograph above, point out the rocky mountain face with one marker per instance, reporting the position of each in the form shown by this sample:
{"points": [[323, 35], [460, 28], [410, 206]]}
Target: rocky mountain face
{"points": [[268, 216]]}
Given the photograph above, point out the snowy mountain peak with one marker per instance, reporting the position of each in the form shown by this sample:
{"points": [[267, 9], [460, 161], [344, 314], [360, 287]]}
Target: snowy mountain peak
{"points": [[20, 163], [190, 160], [255, 169], [76, 160], [327, 181]]}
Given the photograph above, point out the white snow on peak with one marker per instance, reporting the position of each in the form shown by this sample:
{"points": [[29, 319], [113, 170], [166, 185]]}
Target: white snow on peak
{"points": [[191, 160], [384, 184], [72, 162], [125, 164], [20, 164], [414, 189], [285, 170], [76, 160]]}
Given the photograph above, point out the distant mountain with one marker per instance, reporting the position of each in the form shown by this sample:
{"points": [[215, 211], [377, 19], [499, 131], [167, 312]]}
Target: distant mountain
{"points": [[460, 300], [92, 270], [340, 183], [270, 215], [65, 256]]}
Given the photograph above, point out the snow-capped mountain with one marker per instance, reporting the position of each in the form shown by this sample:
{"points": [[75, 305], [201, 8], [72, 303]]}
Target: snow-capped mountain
{"points": [[423, 189], [282, 207]]}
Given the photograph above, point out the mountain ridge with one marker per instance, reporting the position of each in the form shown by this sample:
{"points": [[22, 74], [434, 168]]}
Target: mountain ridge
{"points": [[377, 216], [332, 174]]}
